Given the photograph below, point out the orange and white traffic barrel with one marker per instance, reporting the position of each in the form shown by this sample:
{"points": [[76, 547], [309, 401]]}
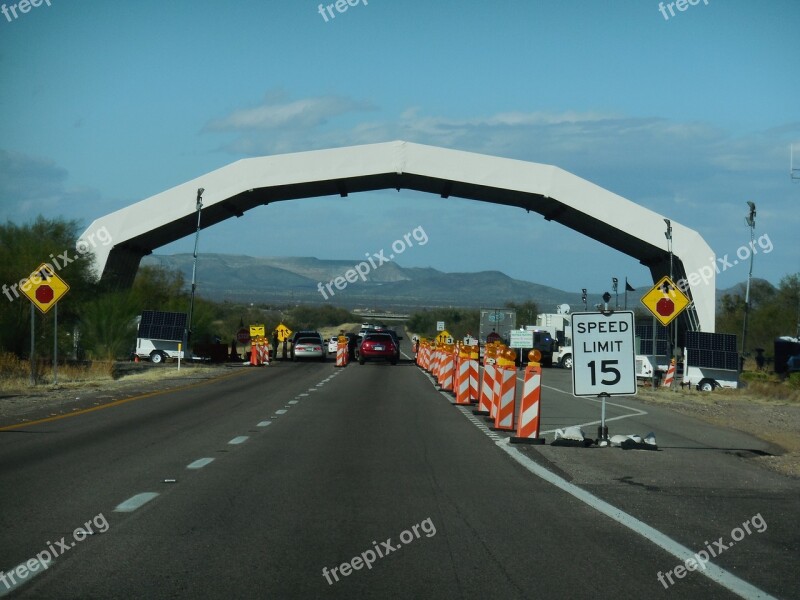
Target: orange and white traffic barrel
{"points": [[530, 404], [670, 375], [506, 399]]}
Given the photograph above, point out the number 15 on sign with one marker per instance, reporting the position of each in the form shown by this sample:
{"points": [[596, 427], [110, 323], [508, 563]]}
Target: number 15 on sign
{"points": [[603, 354]]}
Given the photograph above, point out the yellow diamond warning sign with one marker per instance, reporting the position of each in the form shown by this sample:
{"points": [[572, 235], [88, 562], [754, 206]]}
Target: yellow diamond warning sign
{"points": [[665, 301], [44, 288], [444, 337], [284, 333]]}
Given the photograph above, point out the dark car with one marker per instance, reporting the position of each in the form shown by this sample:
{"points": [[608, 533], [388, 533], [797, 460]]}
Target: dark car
{"points": [[793, 364], [544, 343], [396, 338], [378, 346]]}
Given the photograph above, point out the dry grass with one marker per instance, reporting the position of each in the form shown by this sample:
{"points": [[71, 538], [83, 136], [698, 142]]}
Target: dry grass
{"points": [[328, 332], [15, 373]]}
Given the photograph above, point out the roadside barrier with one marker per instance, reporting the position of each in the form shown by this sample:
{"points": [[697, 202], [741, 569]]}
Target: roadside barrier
{"points": [[486, 398], [529, 411], [463, 370], [341, 354], [447, 369], [474, 374], [259, 352], [505, 390], [670, 374]]}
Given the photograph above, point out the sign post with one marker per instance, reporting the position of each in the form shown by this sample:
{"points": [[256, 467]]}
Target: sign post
{"points": [[44, 289], [603, 358]]}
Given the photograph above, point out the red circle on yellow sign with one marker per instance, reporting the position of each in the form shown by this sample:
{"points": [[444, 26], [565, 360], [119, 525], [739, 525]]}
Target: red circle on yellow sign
{"points": [[45, 294]]}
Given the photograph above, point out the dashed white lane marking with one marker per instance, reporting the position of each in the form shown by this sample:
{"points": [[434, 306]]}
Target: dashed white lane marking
{"points": [[264, 423], [281, 411], [200, 463], [239, 439], [302, 395], [134, 502], [293, 401]]}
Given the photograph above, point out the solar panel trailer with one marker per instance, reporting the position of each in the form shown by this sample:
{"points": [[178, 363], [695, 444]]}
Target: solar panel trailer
{"points": [[159, 334]]}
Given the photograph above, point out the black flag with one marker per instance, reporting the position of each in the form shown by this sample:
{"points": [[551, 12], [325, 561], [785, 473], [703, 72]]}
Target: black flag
{"points": [[628, 287]]}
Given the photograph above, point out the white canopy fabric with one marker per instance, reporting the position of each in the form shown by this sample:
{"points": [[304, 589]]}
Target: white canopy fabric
{"points": [[140, 228]]}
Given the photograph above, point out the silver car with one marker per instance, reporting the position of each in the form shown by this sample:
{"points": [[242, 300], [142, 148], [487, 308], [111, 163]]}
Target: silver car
{"points": [[308, 347]]}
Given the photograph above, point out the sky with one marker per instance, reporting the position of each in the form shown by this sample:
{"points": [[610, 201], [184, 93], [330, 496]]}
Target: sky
{"points": [[105, 103]]}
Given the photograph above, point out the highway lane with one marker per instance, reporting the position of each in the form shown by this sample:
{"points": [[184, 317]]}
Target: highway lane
{"points": [[347, 459]]}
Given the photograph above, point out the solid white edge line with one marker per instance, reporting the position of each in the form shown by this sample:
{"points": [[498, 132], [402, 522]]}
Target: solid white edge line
{"points": [[18, 581], [717, 574], [200, 463], [134, 502], [679, 551]]}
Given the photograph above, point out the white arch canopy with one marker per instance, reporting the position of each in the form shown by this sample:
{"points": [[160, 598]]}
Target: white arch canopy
{"points": [[140, 228]]}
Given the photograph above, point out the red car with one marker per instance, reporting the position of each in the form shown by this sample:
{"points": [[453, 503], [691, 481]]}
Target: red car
{"points": [[377, 346]]}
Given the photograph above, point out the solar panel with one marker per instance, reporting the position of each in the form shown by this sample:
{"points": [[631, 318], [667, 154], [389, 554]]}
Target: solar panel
{"points": [[713, 359], [721, 342], [159, 325], [644, 331]]}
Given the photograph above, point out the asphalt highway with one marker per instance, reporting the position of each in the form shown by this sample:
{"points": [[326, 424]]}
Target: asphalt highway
{"points": [[303, 480]]}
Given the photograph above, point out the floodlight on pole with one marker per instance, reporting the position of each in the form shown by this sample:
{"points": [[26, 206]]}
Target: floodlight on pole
{"points": [[750, 221], [199, 207]]}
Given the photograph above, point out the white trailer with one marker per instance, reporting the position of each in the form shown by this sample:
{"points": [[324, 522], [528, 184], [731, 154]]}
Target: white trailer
{"points": [[159, 334]]}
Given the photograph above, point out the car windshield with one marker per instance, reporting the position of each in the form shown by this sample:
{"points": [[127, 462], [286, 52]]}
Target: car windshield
{"points": [[379, 337], [308, 341]]}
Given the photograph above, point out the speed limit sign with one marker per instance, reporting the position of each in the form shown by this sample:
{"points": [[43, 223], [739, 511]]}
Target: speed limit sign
{"points": [[603, 354]]}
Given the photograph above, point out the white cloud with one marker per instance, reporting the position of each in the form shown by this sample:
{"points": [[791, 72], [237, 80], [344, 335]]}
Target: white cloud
{"points": [[277, 113]]}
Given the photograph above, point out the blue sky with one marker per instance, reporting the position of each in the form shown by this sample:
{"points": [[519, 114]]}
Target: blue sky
{"points": [[107, 103]]}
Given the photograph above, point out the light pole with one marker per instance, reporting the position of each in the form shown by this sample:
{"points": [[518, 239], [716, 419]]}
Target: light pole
{"points": [[614, 283], [194, 267], [750, 220], [668, 235]]}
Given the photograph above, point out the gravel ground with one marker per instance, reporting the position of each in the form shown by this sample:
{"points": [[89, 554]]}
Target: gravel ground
{"points": [[770, 420]]}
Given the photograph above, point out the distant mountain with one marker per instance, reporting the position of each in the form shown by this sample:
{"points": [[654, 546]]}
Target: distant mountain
{"points": [[389, 286]]}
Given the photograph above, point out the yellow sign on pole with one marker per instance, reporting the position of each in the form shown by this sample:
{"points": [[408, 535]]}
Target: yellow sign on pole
{"points": [[444, 337], [256, 331], [665, 301], [44, 288], [284, 333]]}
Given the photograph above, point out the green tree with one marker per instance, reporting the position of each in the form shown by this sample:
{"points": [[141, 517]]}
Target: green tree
{"points": [[22, 249]]}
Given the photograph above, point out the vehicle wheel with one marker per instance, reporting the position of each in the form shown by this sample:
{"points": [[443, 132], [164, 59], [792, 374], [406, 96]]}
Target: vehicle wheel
{"points": [[361, 361], [156, 357], [706, 385], [566, 362]]}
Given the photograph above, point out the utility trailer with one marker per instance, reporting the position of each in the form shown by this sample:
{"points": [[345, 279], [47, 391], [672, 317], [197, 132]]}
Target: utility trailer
{"points": [[158, 335], [709, 361]]}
